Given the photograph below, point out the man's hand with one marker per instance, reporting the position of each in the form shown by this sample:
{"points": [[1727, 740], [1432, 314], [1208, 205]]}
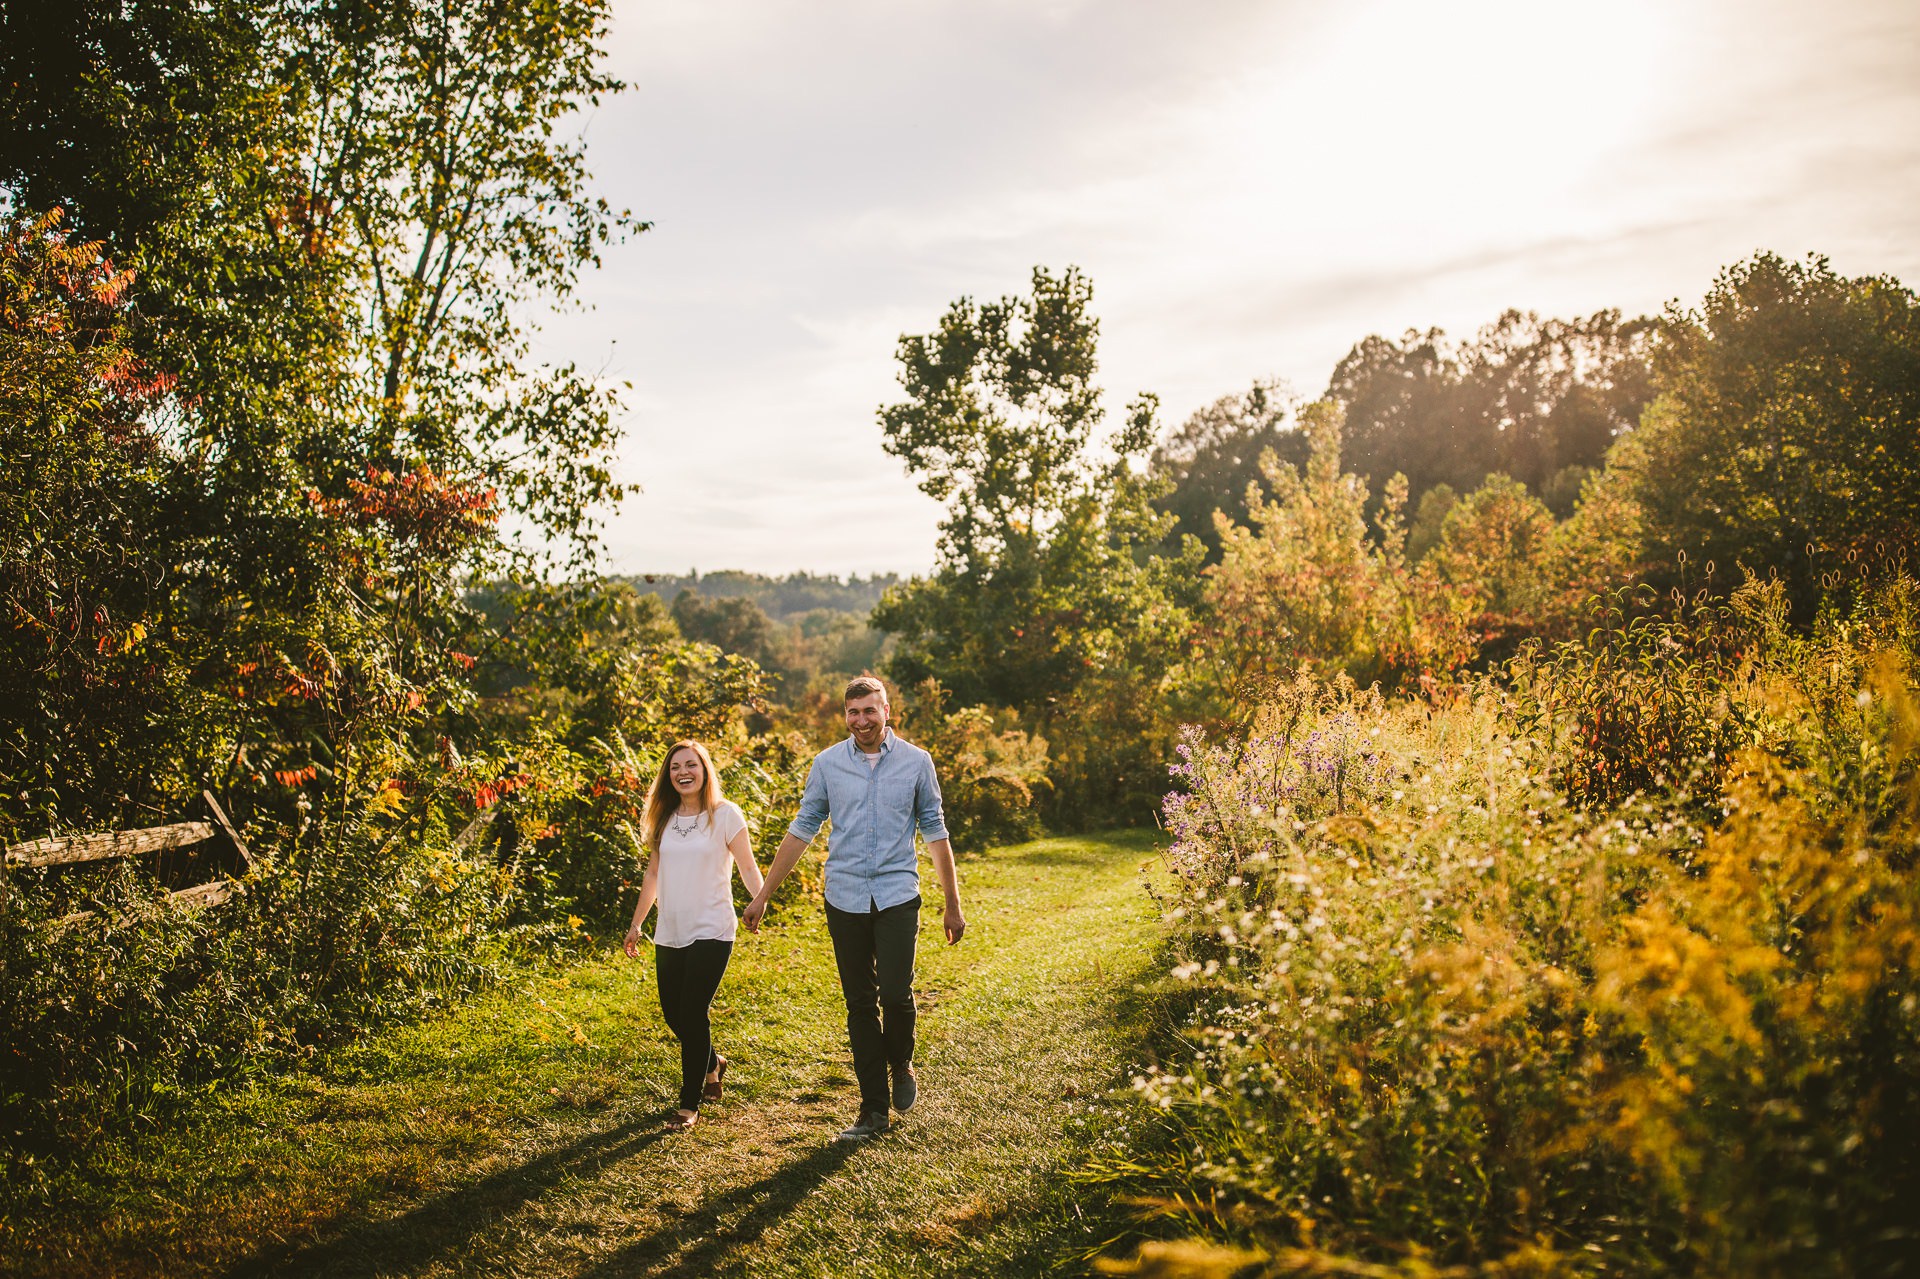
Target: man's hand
{"points": [[941, 851], [791, 846], [632, 944]]}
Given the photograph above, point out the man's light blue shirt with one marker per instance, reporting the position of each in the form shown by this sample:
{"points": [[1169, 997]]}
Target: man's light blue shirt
{"points": [[871, 863]]}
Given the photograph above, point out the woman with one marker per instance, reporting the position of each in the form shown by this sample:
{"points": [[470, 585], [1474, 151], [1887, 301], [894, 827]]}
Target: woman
{"points": [[696, 838]]}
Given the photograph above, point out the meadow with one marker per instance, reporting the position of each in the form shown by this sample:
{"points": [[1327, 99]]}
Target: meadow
{"points": [[1609, 969], [523, 1133]]}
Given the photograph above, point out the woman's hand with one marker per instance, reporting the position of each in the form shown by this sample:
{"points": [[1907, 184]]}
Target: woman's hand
{"points": [[632, 944]]}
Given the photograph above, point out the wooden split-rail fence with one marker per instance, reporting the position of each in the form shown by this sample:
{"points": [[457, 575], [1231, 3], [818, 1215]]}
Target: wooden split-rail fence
{"points": [[212, 846]]}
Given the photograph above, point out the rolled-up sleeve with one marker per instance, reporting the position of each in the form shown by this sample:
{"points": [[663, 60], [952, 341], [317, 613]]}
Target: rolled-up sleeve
{"points": [[928, 814], [813, 806]]}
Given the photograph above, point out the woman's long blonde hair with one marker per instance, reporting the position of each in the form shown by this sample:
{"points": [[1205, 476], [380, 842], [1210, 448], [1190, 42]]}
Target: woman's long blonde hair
{"points": [[663, 801]]}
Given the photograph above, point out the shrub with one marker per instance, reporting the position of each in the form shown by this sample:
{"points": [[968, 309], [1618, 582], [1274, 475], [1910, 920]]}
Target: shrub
{"points": [[991, 770], [1466, 1026], [116, 1013], [1646, 702], [1310, 753]]}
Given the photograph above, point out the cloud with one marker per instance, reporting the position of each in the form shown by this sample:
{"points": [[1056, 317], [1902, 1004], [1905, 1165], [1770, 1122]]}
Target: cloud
{"points": [[1251, 186]]}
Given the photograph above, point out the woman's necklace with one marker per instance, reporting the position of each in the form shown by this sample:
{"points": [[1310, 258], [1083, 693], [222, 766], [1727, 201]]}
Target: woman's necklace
{"points": [[693, 824]]}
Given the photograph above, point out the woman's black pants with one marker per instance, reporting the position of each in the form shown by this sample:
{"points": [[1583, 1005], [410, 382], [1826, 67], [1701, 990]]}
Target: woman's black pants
{"points": [[689, 975]]}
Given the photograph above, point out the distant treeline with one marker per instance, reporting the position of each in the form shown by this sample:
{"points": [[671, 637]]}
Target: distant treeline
{"points": [[780, 598]]}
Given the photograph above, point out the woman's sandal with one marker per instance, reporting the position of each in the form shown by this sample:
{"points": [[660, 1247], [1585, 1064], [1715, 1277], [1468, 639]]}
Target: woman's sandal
{"points": [[714, 1087], [680, 1121]]}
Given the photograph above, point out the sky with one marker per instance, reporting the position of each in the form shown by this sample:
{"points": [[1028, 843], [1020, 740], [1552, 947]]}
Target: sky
{"points": [[1252, 187]]}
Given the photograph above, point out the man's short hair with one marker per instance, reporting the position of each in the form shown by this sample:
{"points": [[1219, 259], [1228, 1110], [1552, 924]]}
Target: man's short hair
{"points": [[865, 686]]}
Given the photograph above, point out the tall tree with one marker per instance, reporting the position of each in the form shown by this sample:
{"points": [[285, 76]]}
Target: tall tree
{"points": [[1046, 597], [732, 623], [336, 217]]}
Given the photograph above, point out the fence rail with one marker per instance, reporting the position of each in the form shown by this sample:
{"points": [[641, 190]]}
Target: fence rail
{"points": [[66, 849], [73, 850]]}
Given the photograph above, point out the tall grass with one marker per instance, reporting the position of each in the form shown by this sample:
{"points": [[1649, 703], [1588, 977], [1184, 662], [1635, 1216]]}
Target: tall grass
{"points": [[1472, 1015]]}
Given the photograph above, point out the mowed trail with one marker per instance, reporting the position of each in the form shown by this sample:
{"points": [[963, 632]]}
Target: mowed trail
{"points": [[522, 1134]]}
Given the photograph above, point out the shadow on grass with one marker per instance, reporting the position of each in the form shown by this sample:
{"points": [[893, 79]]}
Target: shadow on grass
{"points": [[441, 1225], [714, 1233]]}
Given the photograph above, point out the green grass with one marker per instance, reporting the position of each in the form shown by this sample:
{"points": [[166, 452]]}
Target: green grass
{"points": [[522, 1134]]}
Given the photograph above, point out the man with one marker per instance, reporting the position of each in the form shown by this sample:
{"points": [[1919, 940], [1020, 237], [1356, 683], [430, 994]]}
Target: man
{"points": [[878, 790]]}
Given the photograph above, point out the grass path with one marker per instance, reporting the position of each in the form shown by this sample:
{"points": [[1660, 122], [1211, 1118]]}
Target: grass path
{"points": [[522, 1134]]}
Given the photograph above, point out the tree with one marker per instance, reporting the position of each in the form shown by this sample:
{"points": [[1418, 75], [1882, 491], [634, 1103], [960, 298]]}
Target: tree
{"points": [[1493, 551], [1209, 462], [999, 417], [1786, 435], [1429, 517], [1306, 583], [1540, 400], [733, 624], [336, 217], [1046, 597], [436, 167]]}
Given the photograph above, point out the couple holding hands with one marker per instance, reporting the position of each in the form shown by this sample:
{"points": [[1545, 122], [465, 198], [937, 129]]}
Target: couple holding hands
{"points": [[878, 790]]}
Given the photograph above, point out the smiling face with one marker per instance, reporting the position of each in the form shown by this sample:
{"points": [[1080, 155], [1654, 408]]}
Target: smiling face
{"points": [[687, 773], [867, 720]]}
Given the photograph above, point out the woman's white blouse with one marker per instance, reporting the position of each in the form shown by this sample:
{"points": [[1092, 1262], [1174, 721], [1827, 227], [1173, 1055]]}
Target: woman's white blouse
{"points": [[696, 879]]}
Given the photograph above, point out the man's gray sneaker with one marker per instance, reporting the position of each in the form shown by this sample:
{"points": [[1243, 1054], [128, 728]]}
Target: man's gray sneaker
{"points": [[871, 1123], [906, 1089]]}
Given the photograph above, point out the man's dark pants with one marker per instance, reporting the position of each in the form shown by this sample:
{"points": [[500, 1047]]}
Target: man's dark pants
{"points": [[874, 951]]}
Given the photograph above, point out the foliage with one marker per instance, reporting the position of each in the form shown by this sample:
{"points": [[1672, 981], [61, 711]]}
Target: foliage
{"points": [[1599, 548], [1530, 398], [256, 477], [1309, 753], [77, 643], [734, 624], [1465, 1027], [781, 598], [1787, 430], [126, 1010], [444, 184], [1490, 540], [1429, 517], [1648, 701], [809, 655], [338, 219], [1209, 462], [337, 222], [593, 677], [992, 772], [1307, 584]]}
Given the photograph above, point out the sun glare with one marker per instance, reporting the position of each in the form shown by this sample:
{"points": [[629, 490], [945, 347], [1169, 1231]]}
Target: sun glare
{"points": [[1474, 119]]}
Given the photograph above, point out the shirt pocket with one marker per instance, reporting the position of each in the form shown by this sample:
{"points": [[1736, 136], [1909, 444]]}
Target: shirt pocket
{"points": [[898, 795]]}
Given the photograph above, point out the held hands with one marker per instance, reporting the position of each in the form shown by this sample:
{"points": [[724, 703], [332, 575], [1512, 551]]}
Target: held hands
{"points": [[756, 911], [955, 922]]}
